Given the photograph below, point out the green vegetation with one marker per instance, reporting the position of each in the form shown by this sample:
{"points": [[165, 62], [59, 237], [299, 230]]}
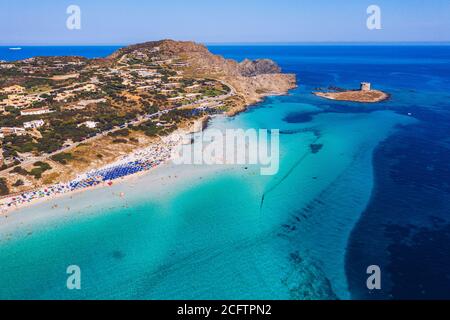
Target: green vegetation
{"points": [[117, 95], [212, 92], [177, 115], [21, 144], [4, 190], [53, 138], [171, 119], [36, 82], [40, 168], [62, 157], [168, 130], [11, 119], [149, 128], [20, 170], [150, 109], [18, 183], [120, 133], [43, 165]]}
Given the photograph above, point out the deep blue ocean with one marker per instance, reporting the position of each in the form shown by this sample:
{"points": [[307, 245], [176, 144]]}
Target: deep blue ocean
{"points": [[404, 225]]}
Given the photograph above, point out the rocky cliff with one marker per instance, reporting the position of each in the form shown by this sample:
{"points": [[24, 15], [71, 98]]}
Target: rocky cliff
{"points": [[248, 68]]}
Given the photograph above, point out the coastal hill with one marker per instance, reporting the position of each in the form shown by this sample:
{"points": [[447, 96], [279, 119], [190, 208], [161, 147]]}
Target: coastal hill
{"points": [[202, 58], [252, 80], [63, 116]]}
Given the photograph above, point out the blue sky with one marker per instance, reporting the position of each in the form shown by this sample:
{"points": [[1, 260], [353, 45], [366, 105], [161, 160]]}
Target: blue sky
{"points": [[124, 22]]}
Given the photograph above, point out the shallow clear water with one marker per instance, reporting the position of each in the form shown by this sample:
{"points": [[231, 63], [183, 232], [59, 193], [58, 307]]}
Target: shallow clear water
{"points": [[218, 233]]}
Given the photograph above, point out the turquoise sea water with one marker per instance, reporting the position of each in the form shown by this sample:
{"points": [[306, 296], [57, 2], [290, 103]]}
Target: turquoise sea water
{"points": [[228, 232]]}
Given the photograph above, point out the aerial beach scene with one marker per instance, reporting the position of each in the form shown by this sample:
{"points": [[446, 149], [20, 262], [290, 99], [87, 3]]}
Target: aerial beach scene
{"points": [[117, 180]]}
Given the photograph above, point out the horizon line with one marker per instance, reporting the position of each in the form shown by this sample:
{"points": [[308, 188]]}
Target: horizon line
{"points": [[209, 43]]}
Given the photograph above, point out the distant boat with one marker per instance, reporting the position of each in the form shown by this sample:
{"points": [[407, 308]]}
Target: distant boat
{"points": [[15, 48]]}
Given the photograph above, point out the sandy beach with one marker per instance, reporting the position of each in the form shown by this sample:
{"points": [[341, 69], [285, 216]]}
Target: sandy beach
{"points": [[161, 181], [77, 201], [147, 159]]}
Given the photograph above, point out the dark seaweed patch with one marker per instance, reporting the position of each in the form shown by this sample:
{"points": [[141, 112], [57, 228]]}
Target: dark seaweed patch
{"points": [[315, 148], [299, 117], [305, 280], [117, 254]]}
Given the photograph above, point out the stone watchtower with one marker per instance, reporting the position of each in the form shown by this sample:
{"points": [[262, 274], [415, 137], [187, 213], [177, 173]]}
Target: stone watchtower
{"points": [[366, 86]]}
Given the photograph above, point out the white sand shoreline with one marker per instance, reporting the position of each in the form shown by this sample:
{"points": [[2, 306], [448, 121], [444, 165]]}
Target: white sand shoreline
{"points": [[15, 203], [151, 185], [166, 173], [57, 196]]}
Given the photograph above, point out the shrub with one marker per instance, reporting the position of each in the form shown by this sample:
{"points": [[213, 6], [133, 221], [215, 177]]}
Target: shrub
{"points": [[4, 190], [20, 170], [62, 157], [18, 183], [120, 133], [120, 140], [42, 165], [37, 173]]}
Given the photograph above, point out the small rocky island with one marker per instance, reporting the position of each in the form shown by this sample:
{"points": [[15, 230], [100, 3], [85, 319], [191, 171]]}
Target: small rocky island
{"points": [[365, 95]]}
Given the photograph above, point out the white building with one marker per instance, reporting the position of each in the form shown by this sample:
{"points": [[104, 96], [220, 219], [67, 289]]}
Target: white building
{"points": [[146, 73], [84, 103], [33, 124], [89, 124], [10, 131], [6, 66], [171, 85], [176, 98], [366, 86], [35, 111]]}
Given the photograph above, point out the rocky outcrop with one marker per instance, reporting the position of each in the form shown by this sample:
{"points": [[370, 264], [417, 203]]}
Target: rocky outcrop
{"points": [[254, 89], [250, 68], [370, 96]]}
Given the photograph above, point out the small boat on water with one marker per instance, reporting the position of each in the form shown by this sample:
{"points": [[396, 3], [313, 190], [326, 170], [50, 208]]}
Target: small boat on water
{"points": [[17, 48]]}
